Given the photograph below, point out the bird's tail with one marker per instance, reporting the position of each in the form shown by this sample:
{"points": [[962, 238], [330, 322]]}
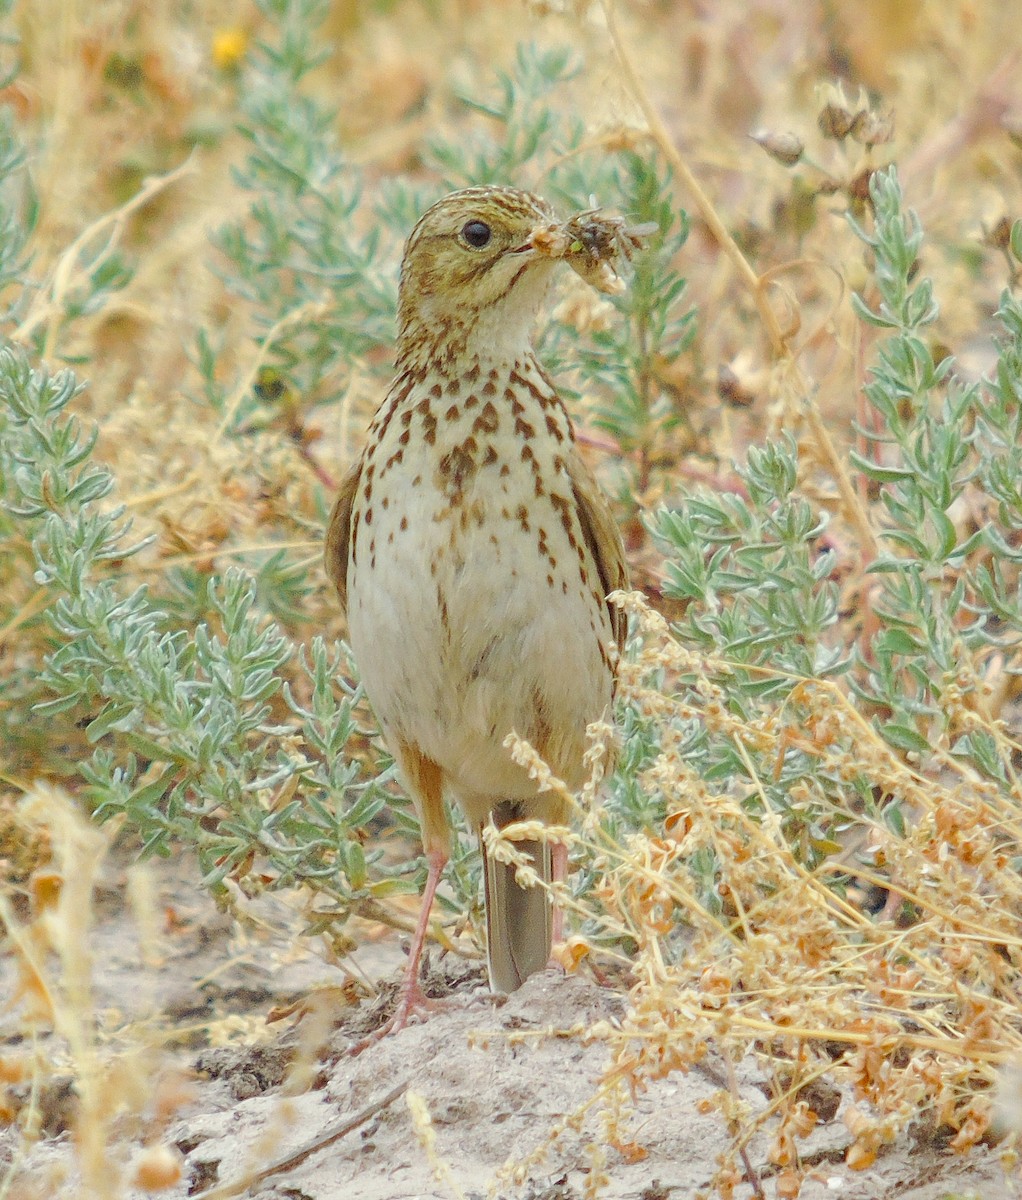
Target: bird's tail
{"points": [[518, 919]]}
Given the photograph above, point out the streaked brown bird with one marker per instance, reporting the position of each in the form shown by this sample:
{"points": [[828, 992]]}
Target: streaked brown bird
{"points": [[474, 552]]}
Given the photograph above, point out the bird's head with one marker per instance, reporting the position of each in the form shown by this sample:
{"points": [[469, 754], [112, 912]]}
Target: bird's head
{"points": [[474, 273]]}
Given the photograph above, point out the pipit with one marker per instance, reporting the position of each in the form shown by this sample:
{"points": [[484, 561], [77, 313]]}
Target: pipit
{"points": [[474, 552]]}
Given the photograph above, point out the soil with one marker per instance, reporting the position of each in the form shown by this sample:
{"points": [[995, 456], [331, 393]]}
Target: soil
{"points": [[241, 1039]]}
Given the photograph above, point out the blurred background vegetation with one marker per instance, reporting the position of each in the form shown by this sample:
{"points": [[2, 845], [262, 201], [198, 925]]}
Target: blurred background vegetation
{"points": [[807, 409]]}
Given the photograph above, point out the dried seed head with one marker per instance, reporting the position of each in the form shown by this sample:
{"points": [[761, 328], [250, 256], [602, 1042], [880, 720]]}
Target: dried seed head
{"points": [[838, 113], [786, 148], [871, 128], [858, 189], [730, 388], [1000, 235], [835, 121]]}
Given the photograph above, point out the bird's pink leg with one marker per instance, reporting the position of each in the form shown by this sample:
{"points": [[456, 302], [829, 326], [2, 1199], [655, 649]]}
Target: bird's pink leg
{"points": [[413, 998], [425, 783]]}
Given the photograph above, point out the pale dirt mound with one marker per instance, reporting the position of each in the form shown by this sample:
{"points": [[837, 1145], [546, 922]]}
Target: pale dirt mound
{"points": [[497, 1079]]}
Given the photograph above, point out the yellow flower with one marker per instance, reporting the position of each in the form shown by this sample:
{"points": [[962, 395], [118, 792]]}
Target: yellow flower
{"points": [[229, 46]]}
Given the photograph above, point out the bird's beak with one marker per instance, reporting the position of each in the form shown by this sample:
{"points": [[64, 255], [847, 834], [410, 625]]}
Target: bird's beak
{"points": [[547, 240]]}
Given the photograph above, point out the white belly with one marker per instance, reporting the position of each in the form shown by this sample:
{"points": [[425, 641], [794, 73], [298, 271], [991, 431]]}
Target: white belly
{"points": [[472, 614]]}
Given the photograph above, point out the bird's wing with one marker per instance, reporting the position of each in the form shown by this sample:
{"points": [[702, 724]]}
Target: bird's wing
{"points": [[602, 537], [338, 535]]}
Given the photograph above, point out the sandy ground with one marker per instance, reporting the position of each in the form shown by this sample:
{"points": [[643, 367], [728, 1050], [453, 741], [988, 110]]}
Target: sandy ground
{"points": [[497, 1078]]}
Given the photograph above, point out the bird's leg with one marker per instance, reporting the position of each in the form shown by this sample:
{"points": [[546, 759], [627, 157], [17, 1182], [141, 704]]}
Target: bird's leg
{"points": [[425, 784], [412, 996]]}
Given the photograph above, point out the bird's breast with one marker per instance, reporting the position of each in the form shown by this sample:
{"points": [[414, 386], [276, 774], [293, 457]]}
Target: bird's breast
{"points": [[474, 605]]}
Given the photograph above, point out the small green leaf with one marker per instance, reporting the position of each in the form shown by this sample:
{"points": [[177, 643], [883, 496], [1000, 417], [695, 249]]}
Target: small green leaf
{"points": [[945, 532], [1015, 240], [905, 738], [894, 818], [114, 716], [875, 471], [898, 641]]}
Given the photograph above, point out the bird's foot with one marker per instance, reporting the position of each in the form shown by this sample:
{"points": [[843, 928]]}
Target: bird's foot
{"points": [[411, 1001]]}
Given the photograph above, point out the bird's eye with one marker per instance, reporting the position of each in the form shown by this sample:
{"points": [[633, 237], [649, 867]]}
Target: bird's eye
{"points": [[476, 233]]}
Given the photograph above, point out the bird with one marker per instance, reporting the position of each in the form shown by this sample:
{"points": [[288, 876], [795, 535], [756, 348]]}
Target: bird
{"points": [[473, 553]]}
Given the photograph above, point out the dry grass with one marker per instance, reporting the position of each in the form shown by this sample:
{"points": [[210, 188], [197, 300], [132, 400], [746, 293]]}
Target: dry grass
{"points": [[917, 1017], [130, 115]]}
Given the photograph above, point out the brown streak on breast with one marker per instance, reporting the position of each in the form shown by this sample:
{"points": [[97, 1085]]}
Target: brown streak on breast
{"points": [[488, 420], [456, 468], [554, 429]]}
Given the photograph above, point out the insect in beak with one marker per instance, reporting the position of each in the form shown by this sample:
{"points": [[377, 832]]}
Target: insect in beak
{"points": [[596, 247]]}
